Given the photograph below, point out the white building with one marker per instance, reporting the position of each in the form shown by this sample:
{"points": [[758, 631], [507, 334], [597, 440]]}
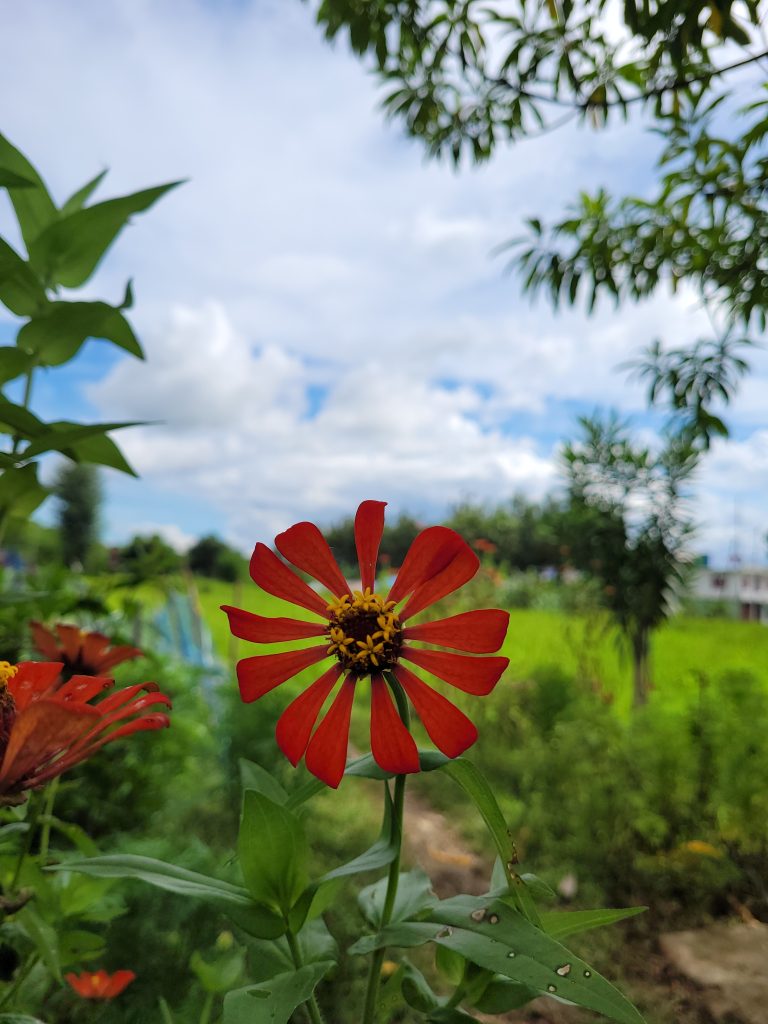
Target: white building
{"points": [[745, 588]]}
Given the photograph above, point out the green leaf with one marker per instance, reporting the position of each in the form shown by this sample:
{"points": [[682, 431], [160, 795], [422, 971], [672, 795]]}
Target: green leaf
{"points": [[58, 334], [44, 938], [20, 420], [33, 206], [222, 974], [416, 990], [471, 780], [77, 945], [559, 923], [69, 250], [60, 436], [414, 893], [20, 289], [449, 1015], [382, 853], [366, 768], [19, 1018], [274, 1001], [101, 450], [20, 490], [13, 362], [501, 995], [233, 900], [273, 852], [78, 199], [10, 180], [495, 936], [253, 776]]}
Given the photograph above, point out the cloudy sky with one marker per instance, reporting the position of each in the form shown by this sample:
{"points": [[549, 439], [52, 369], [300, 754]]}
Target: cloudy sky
{"points": [[324, 316]]}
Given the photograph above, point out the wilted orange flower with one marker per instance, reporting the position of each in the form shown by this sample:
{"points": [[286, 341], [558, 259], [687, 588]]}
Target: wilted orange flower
{"points": [[47, 728], [367, 634], [99, 984], [87, 654]]}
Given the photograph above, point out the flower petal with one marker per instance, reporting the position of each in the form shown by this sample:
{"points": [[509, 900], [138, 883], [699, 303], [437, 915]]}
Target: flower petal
{"points": [[479, 632], [42, 730], [113, 657], [93, 646], [118, 981], [369, 526], [459, 571], [392, 745], [261, 630], [45, 641], [326, 754], [82, 688], [274, 576], [448, 728], [295, 725], [308, 550], [431, 551], [262, 673], [32, 680], [71, 638], [465, 672]]}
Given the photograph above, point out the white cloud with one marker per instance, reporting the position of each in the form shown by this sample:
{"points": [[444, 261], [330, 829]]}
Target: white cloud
{"points": [[313, 247]]}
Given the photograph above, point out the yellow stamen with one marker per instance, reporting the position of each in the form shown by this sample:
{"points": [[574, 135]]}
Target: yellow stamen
{"points": [[7, 671]]}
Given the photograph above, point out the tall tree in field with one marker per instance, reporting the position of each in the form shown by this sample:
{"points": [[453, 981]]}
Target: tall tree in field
{"points": [[465, 76], [78, 490], [628, 528]]}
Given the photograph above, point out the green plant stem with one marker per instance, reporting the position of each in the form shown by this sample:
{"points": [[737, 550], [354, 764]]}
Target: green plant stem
{"points": [[315, 1014], [205, 1013], [20, 978], [374, 973], [25, 403], [45, 835], [26, 846]]}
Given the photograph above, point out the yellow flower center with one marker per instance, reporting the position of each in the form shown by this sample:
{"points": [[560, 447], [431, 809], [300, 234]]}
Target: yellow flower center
{"points": [[364, 632], [7, 671]]}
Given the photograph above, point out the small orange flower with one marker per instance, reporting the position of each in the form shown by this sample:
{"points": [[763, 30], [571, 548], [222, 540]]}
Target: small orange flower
{"points": [[99, 984], [46, 728], [87, 654]]}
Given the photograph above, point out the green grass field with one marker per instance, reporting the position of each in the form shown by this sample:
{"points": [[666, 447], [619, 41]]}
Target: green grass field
{"points": [[683, 651]]}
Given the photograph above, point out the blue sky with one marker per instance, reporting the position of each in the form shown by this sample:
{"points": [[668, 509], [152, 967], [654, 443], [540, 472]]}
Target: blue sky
{"points": [[324, 316]]}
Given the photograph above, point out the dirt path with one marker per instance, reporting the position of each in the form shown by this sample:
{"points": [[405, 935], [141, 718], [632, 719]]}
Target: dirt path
{"points": [[668, 994]]}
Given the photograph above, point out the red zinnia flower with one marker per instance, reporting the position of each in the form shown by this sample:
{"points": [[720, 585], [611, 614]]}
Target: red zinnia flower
{"points": [[367, 635], [46, 728], [99, 984], [87, 654]]}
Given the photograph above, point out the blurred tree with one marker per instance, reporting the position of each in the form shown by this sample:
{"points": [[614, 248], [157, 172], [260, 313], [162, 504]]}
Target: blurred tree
{"points": [[466, 75], [78, 489], [628, 528], [212, 557], [148, 558]]}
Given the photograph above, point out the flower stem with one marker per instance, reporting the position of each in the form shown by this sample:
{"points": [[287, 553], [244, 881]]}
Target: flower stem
{"points": [[315, 1014], [45, 836], [374, 973], [205, 1015]]}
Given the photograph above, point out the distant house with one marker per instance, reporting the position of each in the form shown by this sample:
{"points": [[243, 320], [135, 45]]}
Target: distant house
{"points": [[744, 588]]}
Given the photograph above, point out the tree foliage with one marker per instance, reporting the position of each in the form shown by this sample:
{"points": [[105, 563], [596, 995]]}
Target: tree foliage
{"points": [[467, 75], [628, 526], [78, 490]]}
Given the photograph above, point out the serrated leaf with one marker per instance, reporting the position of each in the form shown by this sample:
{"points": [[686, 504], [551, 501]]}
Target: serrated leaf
{"points": [[58, 334], [69, 250]]}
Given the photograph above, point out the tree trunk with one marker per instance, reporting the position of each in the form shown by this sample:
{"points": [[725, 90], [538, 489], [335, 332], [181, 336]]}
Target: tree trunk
{"points": [[641, 666]]}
